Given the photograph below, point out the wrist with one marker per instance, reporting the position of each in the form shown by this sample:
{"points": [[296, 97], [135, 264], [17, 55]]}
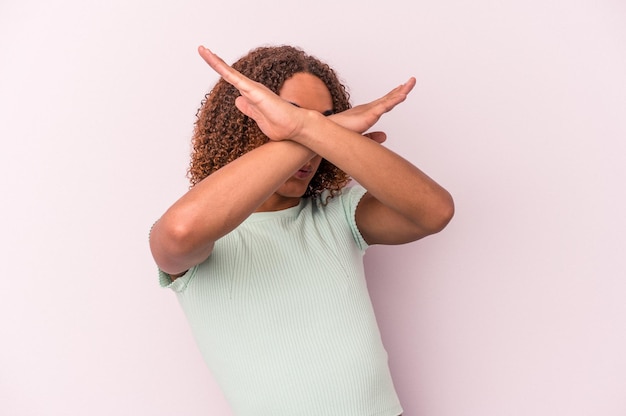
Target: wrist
{"points": [[311, 131]]}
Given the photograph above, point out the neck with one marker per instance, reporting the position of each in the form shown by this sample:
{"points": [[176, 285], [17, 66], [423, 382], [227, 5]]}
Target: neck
{"points": [[278, 203]]}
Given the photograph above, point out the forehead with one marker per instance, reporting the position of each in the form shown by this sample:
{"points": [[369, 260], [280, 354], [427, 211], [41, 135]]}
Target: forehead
{"points": [[307, 91]]}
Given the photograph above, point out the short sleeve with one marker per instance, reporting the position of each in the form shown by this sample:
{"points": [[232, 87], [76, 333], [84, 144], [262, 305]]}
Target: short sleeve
{"points": [[178, 285], [350, 198]]}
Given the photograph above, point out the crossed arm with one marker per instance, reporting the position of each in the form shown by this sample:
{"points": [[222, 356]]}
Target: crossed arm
{"points": [[402, 203]]}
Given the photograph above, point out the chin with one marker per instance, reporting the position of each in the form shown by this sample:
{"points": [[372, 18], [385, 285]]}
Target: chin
{"points": [[293, 190], [292, 194]]}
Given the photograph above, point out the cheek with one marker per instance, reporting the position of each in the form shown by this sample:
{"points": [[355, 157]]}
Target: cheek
{"points": [[316, 162]]}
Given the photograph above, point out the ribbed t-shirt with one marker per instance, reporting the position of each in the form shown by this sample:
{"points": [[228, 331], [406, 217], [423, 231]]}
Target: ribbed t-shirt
{"points": [[282, 316]]}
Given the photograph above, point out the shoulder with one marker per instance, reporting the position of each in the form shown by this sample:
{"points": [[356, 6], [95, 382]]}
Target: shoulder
{"points": [[348, 198], [340, 212]]}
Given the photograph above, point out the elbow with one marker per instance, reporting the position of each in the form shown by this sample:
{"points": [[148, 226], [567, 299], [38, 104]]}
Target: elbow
{"points": [[442, 214], [171, 239], [173, 248], [447, 212]]}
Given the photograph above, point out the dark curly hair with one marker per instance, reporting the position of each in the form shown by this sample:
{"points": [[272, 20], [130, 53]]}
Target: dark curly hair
{"points": [[222, 133]]}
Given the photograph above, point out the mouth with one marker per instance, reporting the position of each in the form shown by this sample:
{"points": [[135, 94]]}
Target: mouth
{"points": [[303, 173]]}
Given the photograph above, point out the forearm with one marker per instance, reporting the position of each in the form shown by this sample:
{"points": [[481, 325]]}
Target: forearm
{"points": [[405, 196], [185, 234], [391, 179]]}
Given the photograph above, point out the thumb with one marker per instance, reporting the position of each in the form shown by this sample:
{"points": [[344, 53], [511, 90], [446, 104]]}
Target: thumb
{"points": [[245, 106], [377, 136]]}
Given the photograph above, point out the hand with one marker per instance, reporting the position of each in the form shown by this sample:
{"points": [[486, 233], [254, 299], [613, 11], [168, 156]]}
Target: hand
{"points": [[364, 116], [377, 136], [280, 120], [277, 119]]}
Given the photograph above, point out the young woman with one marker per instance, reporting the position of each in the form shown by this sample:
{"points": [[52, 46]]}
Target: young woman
{"points": [[265, 249]]}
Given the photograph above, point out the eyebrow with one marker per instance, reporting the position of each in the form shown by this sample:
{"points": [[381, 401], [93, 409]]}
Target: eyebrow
{"points": [[324, 113]]}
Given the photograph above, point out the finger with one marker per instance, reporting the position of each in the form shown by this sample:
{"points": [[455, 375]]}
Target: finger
{"points": [[229, 74], [396, 96], [213, 60], [401, 91], [377, 136], [408, 86], [244, 105]]}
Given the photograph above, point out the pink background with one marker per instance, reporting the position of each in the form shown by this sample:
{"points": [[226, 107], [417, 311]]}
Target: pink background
{"points": [[517, 308]]}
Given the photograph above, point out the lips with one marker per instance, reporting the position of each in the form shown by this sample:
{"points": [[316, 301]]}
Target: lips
{"points": [[303, 173]]}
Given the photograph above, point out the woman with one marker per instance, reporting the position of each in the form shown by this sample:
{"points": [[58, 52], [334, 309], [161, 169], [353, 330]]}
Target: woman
{"points": [[265, 249]]}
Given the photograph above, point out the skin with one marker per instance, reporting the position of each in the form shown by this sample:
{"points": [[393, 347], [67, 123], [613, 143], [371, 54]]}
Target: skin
{"points": [[305, 91], [402, 203]]}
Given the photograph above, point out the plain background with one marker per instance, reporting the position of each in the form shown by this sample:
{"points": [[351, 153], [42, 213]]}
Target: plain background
{"points": [[517, 308]]}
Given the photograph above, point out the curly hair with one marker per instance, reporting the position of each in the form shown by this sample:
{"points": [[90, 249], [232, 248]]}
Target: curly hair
{"points": [[222, 133]]}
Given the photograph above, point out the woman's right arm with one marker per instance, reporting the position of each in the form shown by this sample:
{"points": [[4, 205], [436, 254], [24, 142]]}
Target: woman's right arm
{"points": [[184, 236]]}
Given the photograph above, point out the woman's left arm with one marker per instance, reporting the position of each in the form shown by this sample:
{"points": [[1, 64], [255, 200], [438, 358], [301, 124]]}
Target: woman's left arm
{"points": [[402, 204]]}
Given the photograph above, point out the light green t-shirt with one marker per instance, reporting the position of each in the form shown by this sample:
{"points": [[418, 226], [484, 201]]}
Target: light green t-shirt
{"points": [[283, 318]]}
